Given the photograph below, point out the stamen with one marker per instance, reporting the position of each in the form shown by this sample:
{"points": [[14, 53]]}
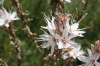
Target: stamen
{"points": [[70, 30], [54, 39], [92, 61], [64, 41]]}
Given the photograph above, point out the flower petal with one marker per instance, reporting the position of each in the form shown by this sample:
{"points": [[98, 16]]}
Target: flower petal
{"points": [[83, 58]]}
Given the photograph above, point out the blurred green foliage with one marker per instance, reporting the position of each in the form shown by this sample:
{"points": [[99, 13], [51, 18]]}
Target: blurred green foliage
{"points": [[30, 55]]}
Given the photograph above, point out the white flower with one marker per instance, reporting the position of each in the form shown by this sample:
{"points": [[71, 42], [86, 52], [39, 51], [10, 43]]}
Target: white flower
{"points": [[66, 55], [50, 40], [75, 52], [91, 60], [6, 18], [68, 1], [65, 40], [73, 29]]}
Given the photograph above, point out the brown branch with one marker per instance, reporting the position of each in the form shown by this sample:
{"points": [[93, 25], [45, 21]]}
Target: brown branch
{"points": [[84, 7], [3, 63], [23, 17], [54, 5], [57, 5], [15, 42], [83, 13]]}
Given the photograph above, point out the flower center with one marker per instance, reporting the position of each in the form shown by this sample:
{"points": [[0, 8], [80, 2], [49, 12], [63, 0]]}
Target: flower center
{"points": [[92, 61], [70, 30], [54, 40], [75, 53], [64, 41], [6, 20]]}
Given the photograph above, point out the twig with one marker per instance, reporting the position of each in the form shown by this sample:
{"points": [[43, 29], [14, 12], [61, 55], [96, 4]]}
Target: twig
{"points": [[15, 42], [84, 6], [23, 16], [3, 63], [54, 5]]}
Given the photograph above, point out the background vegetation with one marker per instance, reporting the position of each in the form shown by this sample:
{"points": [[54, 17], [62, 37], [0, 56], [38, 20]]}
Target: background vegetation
{"points": [[30, 55]]}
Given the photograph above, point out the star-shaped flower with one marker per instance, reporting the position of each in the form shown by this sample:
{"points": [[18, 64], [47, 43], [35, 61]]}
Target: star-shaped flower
{"points": [[6, 18], [65, 40], [73, 29], [50, 39], [91, 60], [75, 52]]}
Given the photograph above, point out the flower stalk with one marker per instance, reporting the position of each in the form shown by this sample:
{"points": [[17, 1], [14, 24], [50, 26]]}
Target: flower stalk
{"points": [[15, 42], [23, 17], [3, 63]]}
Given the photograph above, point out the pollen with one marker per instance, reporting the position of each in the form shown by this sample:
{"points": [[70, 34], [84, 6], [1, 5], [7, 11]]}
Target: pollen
{"points": [[54, 39], [34, 35], [78, 33], [87, 26], [92, 61], [70, 30], [41, 29], [44, 13], [50, 10]]}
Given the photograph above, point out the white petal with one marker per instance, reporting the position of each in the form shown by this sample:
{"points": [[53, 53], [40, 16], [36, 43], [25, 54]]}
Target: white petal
{"points": [[13, 16], [52, 48], [97, 63], [91, 64], [74, 26], [60, 28], [45, 45], [84, 59], [71, 36], [65, 33], [89, 52], [96, 56], [67, 25], [7, 25], [2, 22], [66, 55], [68, 1], [58, 37], [60, 45], [66, 45], [87, 64], [5, 13], [43, 27], [51, 32], [52, 22], [75, 45], [78, 33]]}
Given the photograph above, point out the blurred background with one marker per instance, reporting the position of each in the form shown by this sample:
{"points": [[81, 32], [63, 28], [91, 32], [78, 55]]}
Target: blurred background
{"points": [[30, 55]]}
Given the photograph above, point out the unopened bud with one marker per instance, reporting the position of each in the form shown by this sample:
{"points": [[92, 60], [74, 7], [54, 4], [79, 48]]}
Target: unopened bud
{"points": [[34, 35], [87, 26], [45, 59], [55, 56]]}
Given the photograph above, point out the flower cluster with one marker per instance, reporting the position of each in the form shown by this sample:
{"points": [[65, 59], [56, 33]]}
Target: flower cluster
{"points": [[94, 55], [62, 29]]}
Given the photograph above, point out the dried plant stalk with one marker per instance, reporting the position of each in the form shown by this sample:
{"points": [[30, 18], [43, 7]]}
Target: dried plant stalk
{"points": [[23, 17], [15, 42], [3, 63]]}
